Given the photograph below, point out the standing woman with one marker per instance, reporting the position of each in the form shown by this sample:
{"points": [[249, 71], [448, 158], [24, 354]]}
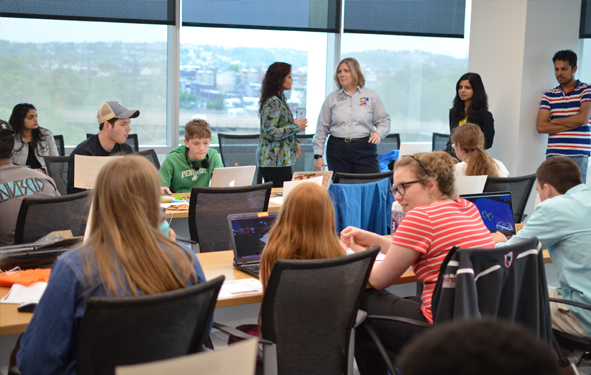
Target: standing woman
{"points": [[278, 148], [471, 105], [356, 120], [468, 144], [32, 142]]}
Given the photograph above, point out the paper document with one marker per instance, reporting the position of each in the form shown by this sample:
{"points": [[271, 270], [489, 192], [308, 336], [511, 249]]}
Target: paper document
{"points": [[379, 257], [276, 200], [87, 168], [20, 293], [470, 184], [232, 288], [289, 185]]}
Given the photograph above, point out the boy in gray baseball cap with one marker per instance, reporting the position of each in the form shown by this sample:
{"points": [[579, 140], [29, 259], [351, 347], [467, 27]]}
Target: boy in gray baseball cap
{"points": [[114, 127]]}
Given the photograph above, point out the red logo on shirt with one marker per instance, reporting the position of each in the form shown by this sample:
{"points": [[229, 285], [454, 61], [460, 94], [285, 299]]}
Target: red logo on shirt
{"points": [[508, 259]]}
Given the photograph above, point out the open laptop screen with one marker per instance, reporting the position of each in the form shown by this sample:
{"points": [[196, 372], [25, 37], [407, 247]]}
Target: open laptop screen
{"points": [[250, 233], [495, 209]]}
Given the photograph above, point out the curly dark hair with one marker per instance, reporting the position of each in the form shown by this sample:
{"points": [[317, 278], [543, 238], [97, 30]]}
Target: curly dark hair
{"points": [[17, 118], [273, 82], [479, 105]]}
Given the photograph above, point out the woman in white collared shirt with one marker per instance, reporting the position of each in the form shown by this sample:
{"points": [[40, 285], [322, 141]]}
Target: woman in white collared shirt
{"points": [[32, 142], [356, 120]]}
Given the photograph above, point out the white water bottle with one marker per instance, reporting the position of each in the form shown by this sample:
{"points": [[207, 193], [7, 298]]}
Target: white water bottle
{"points": [[397, 215]]}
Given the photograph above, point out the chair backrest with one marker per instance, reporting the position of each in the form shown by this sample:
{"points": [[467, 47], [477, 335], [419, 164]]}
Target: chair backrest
{"points": [[439, 141], [238, 149], [59, 142], [391, 142], [507, 282], [39, 216], [362, 178], [306, 161], [150, 154], [129, 330], [131, 141], [209, 209], [57, 168], [309, 310], [520, 188]]}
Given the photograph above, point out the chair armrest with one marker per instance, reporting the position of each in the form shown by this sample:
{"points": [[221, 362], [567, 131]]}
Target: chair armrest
{"points": [[399, 319], [576, 304], [183, 239], [234, 332], [361, 315]]}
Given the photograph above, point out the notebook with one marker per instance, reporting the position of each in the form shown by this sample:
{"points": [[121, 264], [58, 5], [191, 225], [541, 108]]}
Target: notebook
{"points": [[496, 210], [233, 176], [250, 233]]}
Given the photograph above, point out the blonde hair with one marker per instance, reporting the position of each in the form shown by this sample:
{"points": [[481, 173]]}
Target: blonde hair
{"points": [[126, 245], [355, 69], [471, 139], [197, 128], [304, 229], [440, 166]]}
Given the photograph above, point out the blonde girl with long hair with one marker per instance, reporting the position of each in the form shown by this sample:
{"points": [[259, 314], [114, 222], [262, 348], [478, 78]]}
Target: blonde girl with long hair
{"points": [[468, 143], [126, 255]]}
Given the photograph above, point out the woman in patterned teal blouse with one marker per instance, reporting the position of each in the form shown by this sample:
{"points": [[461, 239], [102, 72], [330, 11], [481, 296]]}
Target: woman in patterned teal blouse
{"points": [[278, 149]]}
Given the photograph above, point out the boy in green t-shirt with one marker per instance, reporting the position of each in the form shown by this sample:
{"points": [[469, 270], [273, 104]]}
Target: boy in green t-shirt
{"points": [[192, 164]]}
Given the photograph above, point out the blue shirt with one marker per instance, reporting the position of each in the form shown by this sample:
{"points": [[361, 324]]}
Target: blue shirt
{"points": [[563, 226], [50, 341], [351, 116]]}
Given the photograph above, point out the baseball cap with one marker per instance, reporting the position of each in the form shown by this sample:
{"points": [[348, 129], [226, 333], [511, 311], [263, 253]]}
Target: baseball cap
{"points": [[6, 131], [111, 110]]}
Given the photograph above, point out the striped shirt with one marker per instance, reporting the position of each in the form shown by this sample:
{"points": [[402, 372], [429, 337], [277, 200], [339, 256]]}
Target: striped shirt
{"points": [[432, 231], [575, 141]]}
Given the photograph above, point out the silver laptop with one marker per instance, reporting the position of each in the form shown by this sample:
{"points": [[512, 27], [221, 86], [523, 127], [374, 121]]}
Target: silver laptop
{"points": [[411, 148], [233, 176], [250, 233]]}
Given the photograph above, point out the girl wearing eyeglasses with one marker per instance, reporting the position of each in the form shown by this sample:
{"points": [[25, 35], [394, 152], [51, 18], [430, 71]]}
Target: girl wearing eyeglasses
{"points": [[436, 220]]}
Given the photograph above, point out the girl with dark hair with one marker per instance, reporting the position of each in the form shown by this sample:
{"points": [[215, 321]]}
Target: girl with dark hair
{"points": [[32, 142], [471, 105], [278, 148]]}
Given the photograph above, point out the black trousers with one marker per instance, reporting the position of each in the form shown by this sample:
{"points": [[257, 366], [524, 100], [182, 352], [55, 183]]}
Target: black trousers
{"points": [[352, 157], [278, 175], [394, 335]]}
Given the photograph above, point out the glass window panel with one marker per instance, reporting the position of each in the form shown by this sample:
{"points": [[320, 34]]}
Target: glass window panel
{"points": [[68, 70], [585, 25]]}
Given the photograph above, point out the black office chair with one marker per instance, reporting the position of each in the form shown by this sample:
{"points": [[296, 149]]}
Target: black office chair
{"points": [[362, 178], [391, 142], [579, 347], [309, 312], [520, 188], [118, 331], [57, 168], [306, 161], [209, 209], [150, 154], [506, 283], [59, 142], [439, 141], [40, 216], [131, 141], [240, 149]]}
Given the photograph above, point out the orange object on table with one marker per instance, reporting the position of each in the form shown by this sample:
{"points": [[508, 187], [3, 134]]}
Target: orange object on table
{"points": [[26, 277]]}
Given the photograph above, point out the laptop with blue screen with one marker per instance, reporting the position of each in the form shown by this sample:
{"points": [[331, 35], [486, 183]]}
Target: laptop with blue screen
{"points": [[250, 232], [496, 210]]}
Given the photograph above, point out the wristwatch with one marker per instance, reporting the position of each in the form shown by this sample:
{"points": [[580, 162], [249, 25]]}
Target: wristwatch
{"points": [[316, 156]]}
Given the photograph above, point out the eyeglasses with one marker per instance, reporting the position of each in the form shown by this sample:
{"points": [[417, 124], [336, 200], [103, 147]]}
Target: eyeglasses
{"points": [[401, 187], [422, 165]]}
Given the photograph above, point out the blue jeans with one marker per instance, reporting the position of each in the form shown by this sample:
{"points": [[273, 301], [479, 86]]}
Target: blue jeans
{"points": [[581, 160]]}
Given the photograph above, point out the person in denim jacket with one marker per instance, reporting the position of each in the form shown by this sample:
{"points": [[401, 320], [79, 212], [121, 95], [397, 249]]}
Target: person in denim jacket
{"points": [[278, 148], [32, 142]]}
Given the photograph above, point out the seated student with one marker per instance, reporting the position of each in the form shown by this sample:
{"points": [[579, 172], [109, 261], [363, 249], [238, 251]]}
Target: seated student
{"points": [[435, 221], [192, 164], [32, 142], [562, 223], [114, 127], [125, 230], [16, 183], [482, 347], [468, 144]]}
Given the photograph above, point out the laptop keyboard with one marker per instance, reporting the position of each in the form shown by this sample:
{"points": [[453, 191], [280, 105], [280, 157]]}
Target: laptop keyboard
{"points": [[252, 267]]}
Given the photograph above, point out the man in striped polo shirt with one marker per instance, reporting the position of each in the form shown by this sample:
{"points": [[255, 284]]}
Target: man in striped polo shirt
{"points": [[565, 111]]}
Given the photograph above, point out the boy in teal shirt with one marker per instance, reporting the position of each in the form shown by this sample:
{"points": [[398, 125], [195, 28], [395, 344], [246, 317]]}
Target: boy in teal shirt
{"points": [[192, 164]]}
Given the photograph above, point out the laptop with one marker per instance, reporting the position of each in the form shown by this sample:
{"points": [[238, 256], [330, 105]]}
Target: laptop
{"points": [[250, 233], [233, 176], [326, 177], [496, 210], [411, 148]]}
